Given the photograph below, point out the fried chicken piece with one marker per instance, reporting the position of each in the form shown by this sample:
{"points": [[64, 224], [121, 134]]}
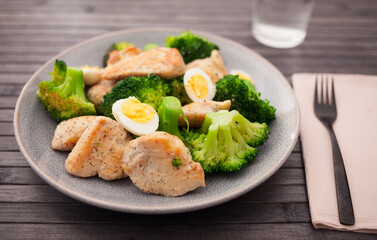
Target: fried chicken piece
{"points": [[96, 92], [68, 132], [164, 62], [214, 66], [99, 150], [196, 112], [160, 163]]}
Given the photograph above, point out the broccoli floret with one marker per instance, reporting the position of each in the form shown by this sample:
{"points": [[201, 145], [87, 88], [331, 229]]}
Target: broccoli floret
{"points": [[168, 113], [121, 45], [226, 141], [191, 46], [244, 99], [150, 90], [58, 73], [116, 46], [65, 99], [150, 46]]}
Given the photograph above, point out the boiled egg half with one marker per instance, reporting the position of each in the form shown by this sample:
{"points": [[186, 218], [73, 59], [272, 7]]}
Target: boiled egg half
{"points": [[198, 85], [136, 117], [91, 75], [241, 74]]}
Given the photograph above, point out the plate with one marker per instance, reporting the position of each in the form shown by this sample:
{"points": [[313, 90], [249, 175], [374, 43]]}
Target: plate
{"points": [[34, 130]]}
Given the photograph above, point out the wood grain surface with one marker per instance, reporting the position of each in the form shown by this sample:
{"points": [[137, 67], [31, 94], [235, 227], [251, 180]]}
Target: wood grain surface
{"points": [[342, 38]]}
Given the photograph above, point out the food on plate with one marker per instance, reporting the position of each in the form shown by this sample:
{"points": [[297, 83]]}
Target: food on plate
{"points": [[226, 141], [198, 85], [169, 112], [213, 65], [196, 112], [113, 52], [64, 95], [164, 62], [68, 132], [150, 90], [136, 117], [99, 150], [91, 75], [96, 92], [191, 46], [244, 99], [187, 120], [160, 163]]}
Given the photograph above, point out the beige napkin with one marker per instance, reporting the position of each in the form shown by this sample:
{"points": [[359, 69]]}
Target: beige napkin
{"points": [[356, 131]]}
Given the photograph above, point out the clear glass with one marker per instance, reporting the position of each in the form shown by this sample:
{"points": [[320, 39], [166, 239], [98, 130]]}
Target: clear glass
{"points": [[281, 23]]}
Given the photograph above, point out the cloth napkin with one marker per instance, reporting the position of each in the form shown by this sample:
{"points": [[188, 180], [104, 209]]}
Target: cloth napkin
{"points": [[356, 131]]}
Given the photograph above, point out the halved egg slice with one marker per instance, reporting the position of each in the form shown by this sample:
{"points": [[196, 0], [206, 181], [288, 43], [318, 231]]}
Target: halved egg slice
{"points": [[198, 85], [136, 117], [241, 74], [91, 75]]}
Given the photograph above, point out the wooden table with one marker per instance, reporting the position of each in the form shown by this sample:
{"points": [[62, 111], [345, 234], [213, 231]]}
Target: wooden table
{"points": [[342, 38]]}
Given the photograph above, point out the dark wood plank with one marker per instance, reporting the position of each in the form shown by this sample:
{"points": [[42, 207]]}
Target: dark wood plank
{"points": [[46, 194], [11, 175], [287, 176], [235, 213], [18, 68], [19, 176], [32, 194], [156, 230], [294, 161], [12, 159], [8, 102], [14, 78], [10, 89], [8, 143], [6, 129], [6, 115]]}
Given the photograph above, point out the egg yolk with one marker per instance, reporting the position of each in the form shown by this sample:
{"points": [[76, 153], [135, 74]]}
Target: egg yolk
{"points": [[137, 111], [242, 76], [198, 85]]}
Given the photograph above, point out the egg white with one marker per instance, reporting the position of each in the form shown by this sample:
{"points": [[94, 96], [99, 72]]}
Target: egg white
{"points": [[211, 88], [136, 128], [91, 75]]}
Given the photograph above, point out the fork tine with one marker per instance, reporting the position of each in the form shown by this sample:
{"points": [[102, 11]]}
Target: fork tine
{"points": [[333, 103], [322, 97], [316, 91], [326, 90]]}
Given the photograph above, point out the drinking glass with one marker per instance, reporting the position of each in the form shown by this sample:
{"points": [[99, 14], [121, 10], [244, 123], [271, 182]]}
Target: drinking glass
{"points": [[281, 23]]}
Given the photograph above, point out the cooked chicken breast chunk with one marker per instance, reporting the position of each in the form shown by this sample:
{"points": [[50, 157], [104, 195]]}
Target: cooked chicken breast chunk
{"points": [[115, 56], [164, 62], [214, 66], [196, 112], [99, 150], [160, 163], [68, 132], [96, 92]]}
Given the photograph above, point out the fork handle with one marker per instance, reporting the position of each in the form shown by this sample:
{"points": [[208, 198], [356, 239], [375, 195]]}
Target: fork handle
{"points": [[345, 209]]}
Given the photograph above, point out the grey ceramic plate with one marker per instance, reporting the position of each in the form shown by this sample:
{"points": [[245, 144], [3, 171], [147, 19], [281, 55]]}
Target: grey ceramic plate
{"points": [[34, 130]]}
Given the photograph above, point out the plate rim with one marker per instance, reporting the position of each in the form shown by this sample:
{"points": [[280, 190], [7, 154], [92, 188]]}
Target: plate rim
{"points": [[178, 208]]}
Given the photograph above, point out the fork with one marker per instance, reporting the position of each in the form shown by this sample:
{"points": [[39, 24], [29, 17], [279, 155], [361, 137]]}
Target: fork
{"points": [[325, 110]]}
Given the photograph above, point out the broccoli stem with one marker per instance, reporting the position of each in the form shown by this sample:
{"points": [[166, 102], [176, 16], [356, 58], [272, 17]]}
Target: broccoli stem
{"points": [[73, 84], [210, 145], [168, 113]]}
